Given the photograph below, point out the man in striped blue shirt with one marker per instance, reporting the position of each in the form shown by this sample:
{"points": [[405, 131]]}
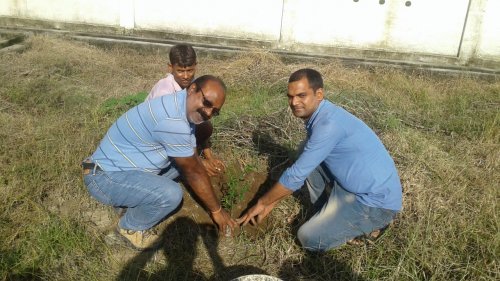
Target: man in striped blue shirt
{"points": [[145, 150], [352, 179]]}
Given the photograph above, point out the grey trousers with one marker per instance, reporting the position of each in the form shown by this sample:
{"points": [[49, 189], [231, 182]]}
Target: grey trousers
{"points": [[339, 217]]}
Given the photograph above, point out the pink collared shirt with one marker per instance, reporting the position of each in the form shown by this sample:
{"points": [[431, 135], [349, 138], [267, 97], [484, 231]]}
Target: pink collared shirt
{"points": [[165, 86]]}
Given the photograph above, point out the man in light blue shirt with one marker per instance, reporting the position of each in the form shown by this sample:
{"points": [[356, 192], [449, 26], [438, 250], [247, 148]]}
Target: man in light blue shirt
{"points": [[343, 154], [152, 137]]}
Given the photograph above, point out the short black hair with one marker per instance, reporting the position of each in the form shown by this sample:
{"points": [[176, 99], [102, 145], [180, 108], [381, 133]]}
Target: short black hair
{"points": [[313, 77], [183, 55]]}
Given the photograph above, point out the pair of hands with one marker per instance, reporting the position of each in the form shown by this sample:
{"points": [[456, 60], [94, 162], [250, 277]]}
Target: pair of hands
{"points": [[254, 215], [213, 166]]}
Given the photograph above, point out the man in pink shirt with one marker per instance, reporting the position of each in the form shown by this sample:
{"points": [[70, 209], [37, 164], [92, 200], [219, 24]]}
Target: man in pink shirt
{"points": [[182, 68]]}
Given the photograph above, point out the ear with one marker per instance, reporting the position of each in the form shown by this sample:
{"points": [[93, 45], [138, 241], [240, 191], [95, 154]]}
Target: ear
{"points": [[319, 94], [170, 68], [192, 89]]}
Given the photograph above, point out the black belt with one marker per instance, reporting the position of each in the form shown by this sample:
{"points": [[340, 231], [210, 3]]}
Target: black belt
{"points": [[89, 166]]}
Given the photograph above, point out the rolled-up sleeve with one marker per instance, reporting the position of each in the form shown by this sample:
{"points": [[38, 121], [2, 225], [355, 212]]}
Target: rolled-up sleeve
{"points": [[323, 138]]}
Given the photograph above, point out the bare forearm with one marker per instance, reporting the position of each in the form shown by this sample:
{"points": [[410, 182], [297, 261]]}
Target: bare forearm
{"points": [[207, 153], [196, 177], [264, 205], [201, 186], [276, 193]]}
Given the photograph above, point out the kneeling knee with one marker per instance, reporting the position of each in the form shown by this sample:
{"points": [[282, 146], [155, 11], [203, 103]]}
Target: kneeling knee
{"points": [[315, 241], [177, 195], [307, 239], [172, 197]]}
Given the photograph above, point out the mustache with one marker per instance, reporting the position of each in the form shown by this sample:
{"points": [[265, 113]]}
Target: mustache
{"points": [[203, 114]]}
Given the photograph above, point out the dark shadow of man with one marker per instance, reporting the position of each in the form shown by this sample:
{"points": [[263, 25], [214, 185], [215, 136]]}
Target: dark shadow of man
{"points": [[180, 238], [179, 246], [319, 267]]}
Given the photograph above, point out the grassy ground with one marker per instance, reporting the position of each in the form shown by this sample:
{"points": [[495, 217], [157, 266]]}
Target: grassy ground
{"points": [[58, 98]]}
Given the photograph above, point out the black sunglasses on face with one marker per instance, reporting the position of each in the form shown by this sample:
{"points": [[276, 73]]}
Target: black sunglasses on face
{"points": [[209, 104]]}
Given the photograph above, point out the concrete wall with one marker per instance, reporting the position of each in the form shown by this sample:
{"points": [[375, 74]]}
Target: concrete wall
{"points": [[421, 27], [104, 12], [464, 33], [489, 34]]}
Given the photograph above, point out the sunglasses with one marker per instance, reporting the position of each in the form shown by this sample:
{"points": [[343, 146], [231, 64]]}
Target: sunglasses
{"points": [[209, 104]]}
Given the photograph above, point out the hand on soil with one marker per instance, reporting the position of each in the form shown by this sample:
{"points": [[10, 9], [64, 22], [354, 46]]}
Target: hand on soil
{"points": [[224, 223], [259, 210]]}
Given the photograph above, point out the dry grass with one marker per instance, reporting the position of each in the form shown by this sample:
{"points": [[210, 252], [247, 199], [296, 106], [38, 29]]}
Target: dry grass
{"points": [[442, 131]]}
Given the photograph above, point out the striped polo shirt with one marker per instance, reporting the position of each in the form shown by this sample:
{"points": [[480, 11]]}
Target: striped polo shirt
{"points": [[147, 135]]}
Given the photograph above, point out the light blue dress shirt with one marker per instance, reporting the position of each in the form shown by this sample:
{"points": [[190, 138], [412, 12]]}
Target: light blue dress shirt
{"points": [[352, 153]]}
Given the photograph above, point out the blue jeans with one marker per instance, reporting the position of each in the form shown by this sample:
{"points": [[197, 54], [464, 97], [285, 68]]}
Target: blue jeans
{"points": [[339, 217], [148, 197]]}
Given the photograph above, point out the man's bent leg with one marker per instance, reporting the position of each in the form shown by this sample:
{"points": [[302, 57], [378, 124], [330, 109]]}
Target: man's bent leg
{"points": [[341, 219], [148, 197], [317, 183]]}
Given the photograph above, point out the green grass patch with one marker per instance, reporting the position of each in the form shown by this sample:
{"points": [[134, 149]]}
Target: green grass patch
{"points": [[115, 107], [55, 247]]}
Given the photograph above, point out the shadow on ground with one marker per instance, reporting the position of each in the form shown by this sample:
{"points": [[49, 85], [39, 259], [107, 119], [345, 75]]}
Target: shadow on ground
{"points": [[317, 267], [180, 240]]}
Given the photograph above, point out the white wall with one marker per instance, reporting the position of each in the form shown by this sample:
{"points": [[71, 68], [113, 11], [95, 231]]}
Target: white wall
{"points": [[256, 19], [489, 40], [459, 29], [103, 12], [425, 26], [334, 23]]}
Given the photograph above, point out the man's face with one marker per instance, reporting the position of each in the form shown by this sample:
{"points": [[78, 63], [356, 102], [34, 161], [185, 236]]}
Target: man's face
{"points": [[182, 75], [204, 103], [302, 99]]}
